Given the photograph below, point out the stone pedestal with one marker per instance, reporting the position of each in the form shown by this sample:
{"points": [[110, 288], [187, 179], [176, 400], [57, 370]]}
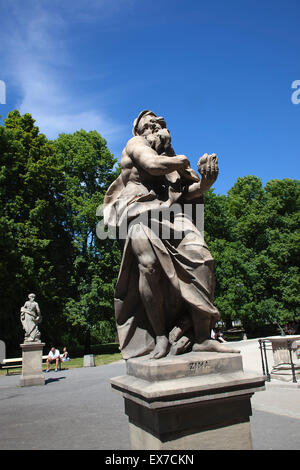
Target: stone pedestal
{"points": [[194, 401], [2, 351], [89, 360], [32, 359], [282, 355]]}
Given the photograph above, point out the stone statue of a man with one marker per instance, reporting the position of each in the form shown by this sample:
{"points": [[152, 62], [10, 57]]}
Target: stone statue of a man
{"points": [[30, 318], [164, 293]]}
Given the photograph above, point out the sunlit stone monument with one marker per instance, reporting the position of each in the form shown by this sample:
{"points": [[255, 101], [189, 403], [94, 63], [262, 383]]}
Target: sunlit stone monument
{"points": [[32, 348], [286, 366], [182, 390]]}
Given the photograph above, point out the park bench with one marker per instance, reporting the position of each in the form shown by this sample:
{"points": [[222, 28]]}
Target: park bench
{"points": [[16, 363]]}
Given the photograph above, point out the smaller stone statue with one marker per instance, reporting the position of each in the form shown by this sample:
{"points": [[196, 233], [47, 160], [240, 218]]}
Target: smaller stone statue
{"points": [[30, 319]]}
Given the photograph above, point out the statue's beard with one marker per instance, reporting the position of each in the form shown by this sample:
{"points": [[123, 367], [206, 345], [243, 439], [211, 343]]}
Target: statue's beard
{"points": [[160, 141]]}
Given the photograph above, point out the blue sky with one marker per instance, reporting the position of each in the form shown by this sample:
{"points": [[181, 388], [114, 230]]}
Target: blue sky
{"points": [[220, 72]]}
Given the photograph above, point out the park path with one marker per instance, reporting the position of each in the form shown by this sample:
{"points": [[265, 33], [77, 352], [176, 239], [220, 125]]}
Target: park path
{"points": [[77, 409]]}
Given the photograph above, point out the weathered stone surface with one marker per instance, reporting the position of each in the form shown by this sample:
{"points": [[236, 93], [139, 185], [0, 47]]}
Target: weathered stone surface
{"points": [[30, 316], [234, 437], [188, 365], [282, 368], [32, 358], [89, 360], [184, 402], [2, 351], [164, 303], [186, 389], [165, 288]]}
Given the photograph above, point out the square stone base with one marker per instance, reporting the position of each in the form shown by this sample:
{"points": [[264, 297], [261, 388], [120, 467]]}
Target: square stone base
{"points": [[28, 380], [32, 360], [285, 374], [189, 402], [89, 360], [233, 437]]}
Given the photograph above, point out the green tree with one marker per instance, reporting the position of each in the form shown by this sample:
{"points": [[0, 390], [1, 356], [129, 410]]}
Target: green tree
{"points": [[49, 193], [253, 234], [35, 246], [88, 168]]}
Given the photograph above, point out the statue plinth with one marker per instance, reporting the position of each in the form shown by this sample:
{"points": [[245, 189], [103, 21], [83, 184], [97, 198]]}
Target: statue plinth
{"points": [[32, 359], [194, 401]]}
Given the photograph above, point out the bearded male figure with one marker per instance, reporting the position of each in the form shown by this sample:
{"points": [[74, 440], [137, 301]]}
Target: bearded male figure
{"points": [[164, 292]]}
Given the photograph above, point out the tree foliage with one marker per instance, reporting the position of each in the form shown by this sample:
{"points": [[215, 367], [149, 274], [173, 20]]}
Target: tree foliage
{"points": [[35, 246], [254, 236], [87, 165], [49, 192]]}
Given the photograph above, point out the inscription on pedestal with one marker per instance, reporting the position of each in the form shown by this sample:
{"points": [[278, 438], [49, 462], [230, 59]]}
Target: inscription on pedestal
{"points": [[188, 365], [201, 366]]}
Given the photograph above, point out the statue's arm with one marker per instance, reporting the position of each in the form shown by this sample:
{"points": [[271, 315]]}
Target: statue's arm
{"points": [[156, 165], [29, 312], [24, 308]]}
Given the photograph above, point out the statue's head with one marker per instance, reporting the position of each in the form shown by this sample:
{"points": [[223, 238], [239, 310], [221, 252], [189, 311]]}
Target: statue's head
{"points": [[31, 297], [147, 122], [154, 129]]}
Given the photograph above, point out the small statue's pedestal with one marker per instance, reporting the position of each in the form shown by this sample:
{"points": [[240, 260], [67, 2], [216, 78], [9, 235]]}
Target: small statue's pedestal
{"points": [[194, 401], [32, 359]]}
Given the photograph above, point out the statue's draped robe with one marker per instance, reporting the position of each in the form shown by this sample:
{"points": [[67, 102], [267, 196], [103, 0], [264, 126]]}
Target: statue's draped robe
{"points": [[30, 315], [187, 266]]}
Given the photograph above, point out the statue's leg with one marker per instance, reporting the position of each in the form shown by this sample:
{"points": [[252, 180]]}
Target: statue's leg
{"points": [[150, 289], [201, 326], [203, 342]]}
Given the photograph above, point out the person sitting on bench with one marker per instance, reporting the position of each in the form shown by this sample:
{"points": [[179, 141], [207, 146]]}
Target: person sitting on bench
{"points": [[53, 355], [65, 355]]}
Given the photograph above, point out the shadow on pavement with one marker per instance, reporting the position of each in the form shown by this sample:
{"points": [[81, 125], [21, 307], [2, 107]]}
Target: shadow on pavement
{"points": [[50, 380]]}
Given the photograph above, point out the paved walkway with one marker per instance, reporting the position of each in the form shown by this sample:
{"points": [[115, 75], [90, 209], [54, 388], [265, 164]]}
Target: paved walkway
{"points": [[77, 409]]}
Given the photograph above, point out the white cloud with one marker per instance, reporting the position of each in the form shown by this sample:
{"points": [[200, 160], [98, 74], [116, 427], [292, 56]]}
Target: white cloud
{"points": [[55, 109], [38, 63]]}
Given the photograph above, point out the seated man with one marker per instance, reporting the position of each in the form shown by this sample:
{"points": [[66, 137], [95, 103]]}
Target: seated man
{"points": [[53, 355]]}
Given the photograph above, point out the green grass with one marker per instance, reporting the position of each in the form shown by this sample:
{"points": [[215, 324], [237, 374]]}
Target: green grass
{"points": [[100, 360], [76, 362]]}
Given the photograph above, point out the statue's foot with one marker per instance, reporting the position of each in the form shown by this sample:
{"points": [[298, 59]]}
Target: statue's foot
{"points": [[161, 347], [211, 345]]}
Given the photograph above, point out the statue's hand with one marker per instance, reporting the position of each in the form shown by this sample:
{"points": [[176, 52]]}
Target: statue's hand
{"points": [[208, 169], [208, 165]]}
